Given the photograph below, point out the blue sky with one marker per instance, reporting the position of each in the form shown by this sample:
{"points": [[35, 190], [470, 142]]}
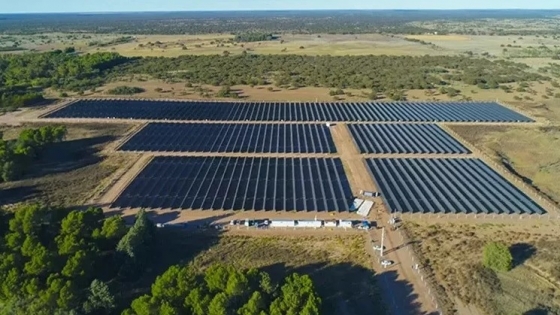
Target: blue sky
{"points": [[25, 6]]}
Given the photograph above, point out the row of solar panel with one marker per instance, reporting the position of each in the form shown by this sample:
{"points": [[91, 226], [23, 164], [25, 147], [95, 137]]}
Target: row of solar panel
{"points": [[239, 183], [290, 138], [404, 138], [246, 138], [229, 111], [447, 186]]}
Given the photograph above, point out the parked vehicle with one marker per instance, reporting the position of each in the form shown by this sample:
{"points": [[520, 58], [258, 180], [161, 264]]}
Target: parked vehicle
{"points": [[386, 263]]}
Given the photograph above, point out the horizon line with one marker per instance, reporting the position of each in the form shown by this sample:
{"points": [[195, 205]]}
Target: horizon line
{"points": [[281, 10]]}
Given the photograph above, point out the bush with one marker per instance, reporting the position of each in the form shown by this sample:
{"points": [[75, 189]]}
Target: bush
{"points": [[497, 256], [336, 92], [125, 90]]}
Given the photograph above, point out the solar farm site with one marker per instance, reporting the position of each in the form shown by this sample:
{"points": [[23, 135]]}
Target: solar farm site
{"points": [[307, 157]]}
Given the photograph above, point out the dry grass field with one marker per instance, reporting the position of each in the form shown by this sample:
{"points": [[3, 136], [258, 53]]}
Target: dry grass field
{"points": [[451, 255], [71, 172]]}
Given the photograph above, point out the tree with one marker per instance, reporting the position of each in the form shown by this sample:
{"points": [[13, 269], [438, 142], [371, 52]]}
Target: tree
{"points": [[99, 299], [218, 305], [254, 306], [298, 294], [135, 248], [497, 256], [114, 228]]}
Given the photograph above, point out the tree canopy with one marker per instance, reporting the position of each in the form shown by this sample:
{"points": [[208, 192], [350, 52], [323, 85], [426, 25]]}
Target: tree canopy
{"points": [[63, 262], [17, 155], [222, 289], [384, 73], [23, 76], [497, 256]]}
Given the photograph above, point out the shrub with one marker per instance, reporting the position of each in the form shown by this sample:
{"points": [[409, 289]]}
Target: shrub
{"points": [[497, 256], [125, 90]]}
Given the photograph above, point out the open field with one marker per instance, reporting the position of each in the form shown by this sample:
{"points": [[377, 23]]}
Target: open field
{"points": [[71, 172], [532, 153], [451, 255]]}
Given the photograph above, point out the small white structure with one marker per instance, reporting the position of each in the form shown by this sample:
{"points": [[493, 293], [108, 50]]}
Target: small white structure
{"points": [[282, 223], [356, 204], [365, 208], [309, 224], [345, 224], [330, 223]]}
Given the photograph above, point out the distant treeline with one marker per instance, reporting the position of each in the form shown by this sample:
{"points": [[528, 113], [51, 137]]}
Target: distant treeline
{"points": [[116, 41], [24, 76], [301, 22], [254, 37], [11, 48]]}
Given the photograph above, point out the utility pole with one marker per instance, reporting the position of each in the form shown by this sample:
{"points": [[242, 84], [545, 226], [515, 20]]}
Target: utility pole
{"points": [[382, 240]]}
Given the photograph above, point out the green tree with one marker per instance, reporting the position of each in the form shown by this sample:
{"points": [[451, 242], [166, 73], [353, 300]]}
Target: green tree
{"points": [[113, 229], [298, 294], [497, 256], [135, 248], [99, 299], [219, 305], [254, 306]]}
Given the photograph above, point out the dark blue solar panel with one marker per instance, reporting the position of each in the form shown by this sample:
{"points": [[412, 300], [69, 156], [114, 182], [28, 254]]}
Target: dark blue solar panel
{"points": [[235, 138], [250, 111], [447, 186], [236, 183], [404, 138]]}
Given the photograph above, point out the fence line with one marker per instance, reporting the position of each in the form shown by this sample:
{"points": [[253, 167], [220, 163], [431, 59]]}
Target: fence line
{"points": [[425, 280]]}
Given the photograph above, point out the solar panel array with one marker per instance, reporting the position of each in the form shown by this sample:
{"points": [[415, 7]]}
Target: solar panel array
{"points": [[447, 186], [252, 111], [246, 138], [307, 184], [404, 138]]}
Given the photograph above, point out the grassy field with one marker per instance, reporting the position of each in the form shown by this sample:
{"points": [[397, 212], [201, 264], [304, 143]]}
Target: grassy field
{"points": [[451, 254], [68, 173]]}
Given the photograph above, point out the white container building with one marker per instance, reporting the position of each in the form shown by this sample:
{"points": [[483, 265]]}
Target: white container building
{"points": [[309, 224], [365, 208], [356, 204], [282, 223]]}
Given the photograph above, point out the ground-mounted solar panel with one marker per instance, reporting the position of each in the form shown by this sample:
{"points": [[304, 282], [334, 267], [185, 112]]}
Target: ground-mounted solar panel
{"points": [[236, 138], [447, 186], [320, 112], [239, 183], [404, 138]]}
